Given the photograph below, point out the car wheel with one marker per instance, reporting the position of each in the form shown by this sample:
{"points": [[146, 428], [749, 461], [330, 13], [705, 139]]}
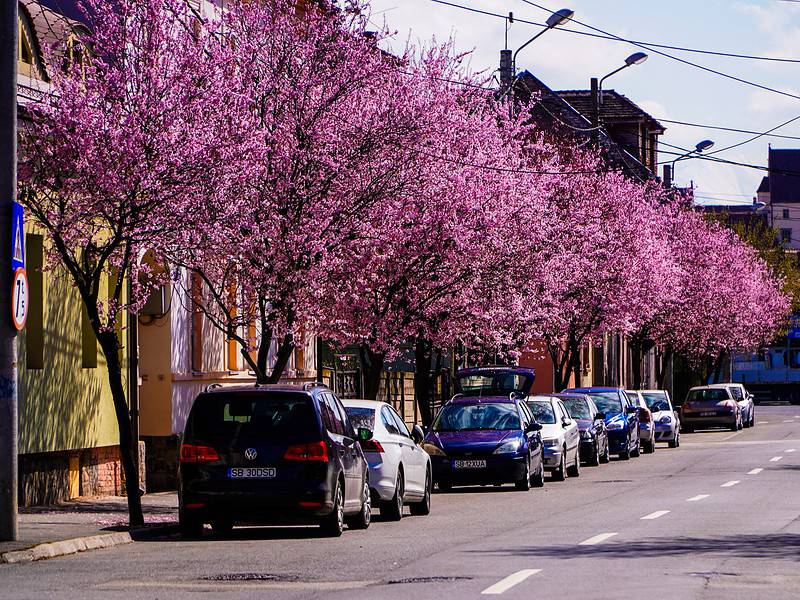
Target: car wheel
{"points": [[538, 478], [364, 516], [735, 425], [753, 419], [637, 451], [420, 509], [676, 440], [190, 527], [650, 447], [393, 509], [626, 454], [575, 469], [333, 524], [524, 484], [595, 458], [560, 474], [222, 527]]}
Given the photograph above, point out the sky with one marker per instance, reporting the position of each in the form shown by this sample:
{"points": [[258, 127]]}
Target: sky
{"points": [[663, 87]]}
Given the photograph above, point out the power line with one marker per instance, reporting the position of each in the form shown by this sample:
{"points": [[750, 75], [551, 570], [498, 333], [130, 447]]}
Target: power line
{"points": [[670, 56], [732, 129]]}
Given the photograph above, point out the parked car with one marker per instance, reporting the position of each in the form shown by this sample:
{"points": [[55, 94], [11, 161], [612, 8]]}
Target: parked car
{"points": [[710, 407], [560, 437], [483, 438], [592, 427], [666, 420], [622, 418], [647, 432], [744, 399], [272, 454], [399, 470]]}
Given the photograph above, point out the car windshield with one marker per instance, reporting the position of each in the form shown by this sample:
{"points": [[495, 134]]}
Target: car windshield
{"points": [[493, 383], [737, 393], [543, 411], [710, 394], [607, 402], [361, 417], [230, 417], [468, 417], [577, 408], [656, 401]]}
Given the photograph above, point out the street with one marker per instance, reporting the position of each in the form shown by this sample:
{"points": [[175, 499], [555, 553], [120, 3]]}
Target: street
{"points": [[718, 517]]}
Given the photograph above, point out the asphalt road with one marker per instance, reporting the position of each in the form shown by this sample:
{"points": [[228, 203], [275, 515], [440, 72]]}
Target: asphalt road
{"points": [[717, 518]]}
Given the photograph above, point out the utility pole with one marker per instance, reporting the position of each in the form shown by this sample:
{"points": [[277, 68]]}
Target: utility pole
{"points": [[595, 92], [8, 335]]}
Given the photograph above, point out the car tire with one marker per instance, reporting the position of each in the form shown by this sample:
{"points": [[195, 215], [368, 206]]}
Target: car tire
{"points": [[650, 447], [222, 527], [594, 460], [333, 524], [735, 426], [676, 440], [574, 470], [364, 516], [423, 507], [753, 419], [393, 509], [524, 484], [191, 528], [560, 474], [538, 478], [626, 454], [637, 451]]}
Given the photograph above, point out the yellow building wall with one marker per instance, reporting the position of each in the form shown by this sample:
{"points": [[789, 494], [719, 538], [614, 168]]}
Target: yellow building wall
{"points": [[62, 405]]}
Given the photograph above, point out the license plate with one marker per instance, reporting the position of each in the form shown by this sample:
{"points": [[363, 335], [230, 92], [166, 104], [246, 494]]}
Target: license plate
{"points": [[708, 414], [252, 473], [469, 464]]}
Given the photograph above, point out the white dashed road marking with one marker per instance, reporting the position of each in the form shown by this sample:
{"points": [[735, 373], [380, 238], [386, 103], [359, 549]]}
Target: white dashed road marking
{"points": [[775, 458], [730, 483], [597, 539], [789, 450], [654, 515], [788, 420], [755, 471], [508, 582], [697, 498]]}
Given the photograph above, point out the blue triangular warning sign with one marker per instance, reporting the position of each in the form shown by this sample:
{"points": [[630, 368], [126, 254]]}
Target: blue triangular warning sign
{"points": [[17, 237]]}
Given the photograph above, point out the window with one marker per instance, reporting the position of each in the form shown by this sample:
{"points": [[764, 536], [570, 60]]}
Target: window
{"points": [[388, 421], [401, 427], [786, 235], [34, 328], [330, 414], [785, 213]]}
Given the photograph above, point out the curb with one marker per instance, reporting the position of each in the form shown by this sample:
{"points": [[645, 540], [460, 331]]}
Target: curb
{"points": [[81, 544]]}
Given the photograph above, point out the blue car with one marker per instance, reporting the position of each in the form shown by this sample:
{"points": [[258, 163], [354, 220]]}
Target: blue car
{"points": [[486, 434], [621, 417]]}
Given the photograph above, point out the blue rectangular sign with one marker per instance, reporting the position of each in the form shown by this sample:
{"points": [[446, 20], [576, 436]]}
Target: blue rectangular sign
{"points": [[17, 237]]}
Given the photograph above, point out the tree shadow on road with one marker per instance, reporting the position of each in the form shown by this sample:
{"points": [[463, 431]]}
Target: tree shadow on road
{"points": [[781, 546]]}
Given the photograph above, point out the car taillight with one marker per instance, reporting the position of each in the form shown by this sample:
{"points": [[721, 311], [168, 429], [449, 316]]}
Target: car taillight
{"points": [[192, 453], [644, 415], [314, 452], [730, 403], [371, 446]]}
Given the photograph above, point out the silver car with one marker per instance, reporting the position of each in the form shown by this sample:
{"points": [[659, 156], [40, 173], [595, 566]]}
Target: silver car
{"points": [[399, 470], [560, 436], [666, 422], [744, 399], [647, 430]]}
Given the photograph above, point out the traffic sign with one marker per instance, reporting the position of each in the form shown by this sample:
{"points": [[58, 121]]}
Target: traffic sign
{"points": [[19, 298], [17, 237]]}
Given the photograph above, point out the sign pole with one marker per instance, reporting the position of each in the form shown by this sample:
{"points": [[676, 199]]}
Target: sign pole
{"points": [[8, 342]]}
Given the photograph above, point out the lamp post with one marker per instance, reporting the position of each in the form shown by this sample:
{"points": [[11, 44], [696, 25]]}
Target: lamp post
{"points": [[669, 173], [636, 58], [508, 63]]}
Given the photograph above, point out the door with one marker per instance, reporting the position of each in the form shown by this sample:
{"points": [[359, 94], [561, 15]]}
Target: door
{"points": [[411, 455], [571, 432], [632, 419], [344, 439]]}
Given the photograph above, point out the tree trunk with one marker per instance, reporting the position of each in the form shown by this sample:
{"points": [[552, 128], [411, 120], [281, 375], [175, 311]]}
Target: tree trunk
{"points": [[423, 356], [717, 374], [372, 367], [636, 362], [282, 358], [110, 347], [661, 372]]}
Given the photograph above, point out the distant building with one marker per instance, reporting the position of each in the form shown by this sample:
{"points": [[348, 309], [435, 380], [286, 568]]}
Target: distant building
{"points": [[780, 192]]}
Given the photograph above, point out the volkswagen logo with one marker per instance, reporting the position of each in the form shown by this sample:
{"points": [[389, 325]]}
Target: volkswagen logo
{"points": [[250, 454]]}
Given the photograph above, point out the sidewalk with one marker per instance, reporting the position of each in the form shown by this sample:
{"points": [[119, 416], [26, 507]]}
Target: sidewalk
{"points": [[86, 523]]}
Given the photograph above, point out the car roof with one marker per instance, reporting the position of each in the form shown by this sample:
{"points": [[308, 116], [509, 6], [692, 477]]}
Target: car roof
{"points": [[719, 385], [361, 403], [592, 389], [260, 389], [654, 391], [510, 369], [483, 399]]}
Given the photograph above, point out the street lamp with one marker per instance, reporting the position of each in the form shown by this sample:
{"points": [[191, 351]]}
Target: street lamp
{"points": [[699, 148], [508, 63], [636, 58]]}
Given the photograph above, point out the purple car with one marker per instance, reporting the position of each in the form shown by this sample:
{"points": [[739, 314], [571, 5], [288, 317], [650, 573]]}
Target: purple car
{"points": [[486, 434]]}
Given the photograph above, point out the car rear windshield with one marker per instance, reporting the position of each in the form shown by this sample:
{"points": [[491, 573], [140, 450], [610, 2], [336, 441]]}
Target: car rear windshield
{"points": [[472, 417], [543, 411], [271, 416], [656, 401], [711, 394], [494, 383], [577, 408], [607, 402], [361, 417]]}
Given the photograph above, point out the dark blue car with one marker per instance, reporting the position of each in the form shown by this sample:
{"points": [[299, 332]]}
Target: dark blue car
{"points": [[621, 417], [486, 434]]}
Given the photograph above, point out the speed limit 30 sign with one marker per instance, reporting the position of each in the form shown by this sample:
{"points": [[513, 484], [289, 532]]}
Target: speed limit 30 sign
{"points": [[19, 298]]}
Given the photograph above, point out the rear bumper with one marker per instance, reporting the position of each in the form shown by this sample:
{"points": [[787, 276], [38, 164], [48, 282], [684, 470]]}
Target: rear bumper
{"points": [[498, 469], [695, 420], [646, 432]]}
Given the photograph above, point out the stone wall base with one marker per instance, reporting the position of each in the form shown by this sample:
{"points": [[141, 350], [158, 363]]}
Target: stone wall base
{"points": [[52, 477]]}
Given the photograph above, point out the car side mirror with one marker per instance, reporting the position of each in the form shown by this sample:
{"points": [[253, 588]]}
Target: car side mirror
{"points": [[565, 422], [533, 427], [364, 434], [417, 434], [600, 417], [632, 410]]}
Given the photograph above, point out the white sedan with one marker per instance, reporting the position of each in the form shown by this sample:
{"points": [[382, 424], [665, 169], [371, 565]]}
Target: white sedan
{"points": [[399, 470], [560, 436]]}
